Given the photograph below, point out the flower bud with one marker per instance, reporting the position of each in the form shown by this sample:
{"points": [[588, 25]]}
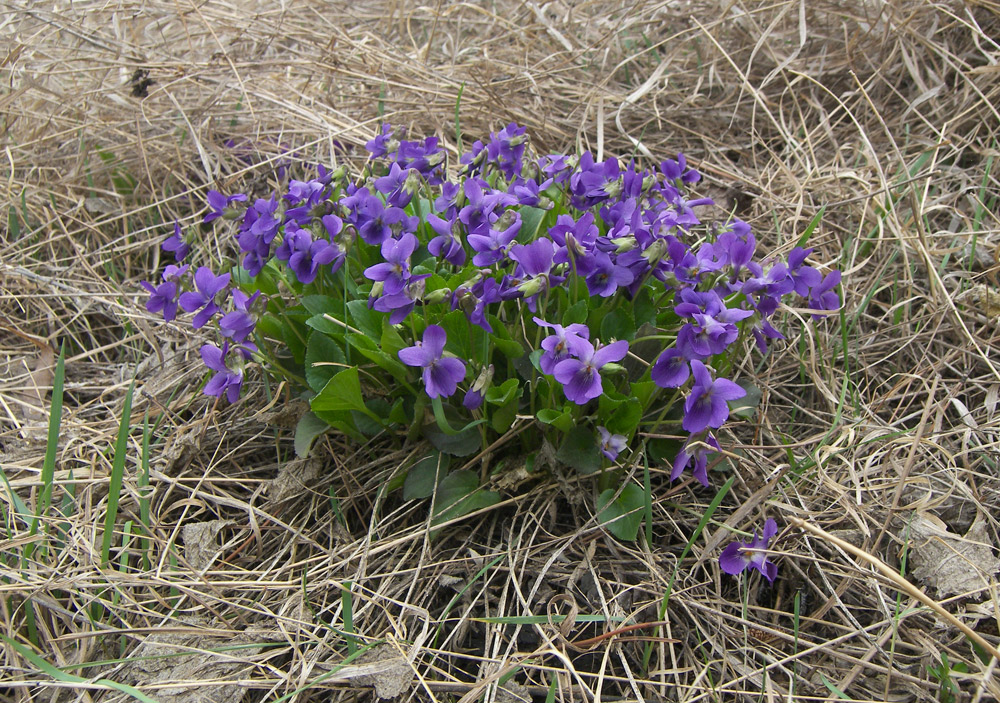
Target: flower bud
{"points": [[655, 252], [624, 244], [437, 296], [533, 286]]}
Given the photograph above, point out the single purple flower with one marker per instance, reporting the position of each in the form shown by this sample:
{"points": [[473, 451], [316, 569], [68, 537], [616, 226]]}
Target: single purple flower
{"points": [[697, 447], [176, 244], [823, 297], [304, 255], [562, 345], [226, 381], [209, 288], [219, 203], [163, 298], [446, 245], [670, 370], [380, 145], [238, 324], [492, 247], [441, 374], [394, 272], [581, 377], [738, 556], [706, 404], [606, 276], [611, 444], [473, 399]]}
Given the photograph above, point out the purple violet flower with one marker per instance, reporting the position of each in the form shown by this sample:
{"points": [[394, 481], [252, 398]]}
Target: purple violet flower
{"points": [[219, 202], [176, 244], [581, 377], [305, 256], [446, 245], [238, 324], [226, 381], [697, 447], [823, 297], [562, 345], [670, 370], [611, 444], [209, 288], [706, 404], [441, 374], [606, 276], [163, 298], [394, 272], [738, 556]]}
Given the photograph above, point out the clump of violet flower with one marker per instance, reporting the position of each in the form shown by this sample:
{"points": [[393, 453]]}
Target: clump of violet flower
{"points": [[454, 301]]}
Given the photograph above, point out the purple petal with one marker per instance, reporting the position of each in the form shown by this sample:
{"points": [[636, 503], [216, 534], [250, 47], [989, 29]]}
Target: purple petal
{"points": [[612, 352], [415, 356], [732, 560], [434, 340]]}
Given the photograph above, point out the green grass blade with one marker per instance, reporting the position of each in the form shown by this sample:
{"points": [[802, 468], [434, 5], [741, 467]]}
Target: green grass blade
{"points": [[117, 472], [61, 676], [51, 449], [347, 602]]}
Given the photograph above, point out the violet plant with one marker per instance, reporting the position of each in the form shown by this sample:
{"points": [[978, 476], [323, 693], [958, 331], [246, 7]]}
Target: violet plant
{"points": [[586, 298]]}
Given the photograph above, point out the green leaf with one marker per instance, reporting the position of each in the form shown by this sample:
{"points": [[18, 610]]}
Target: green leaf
{"points": [[324, 324], [643, 391], [341, 392], [465, 340], [813, 224], [748, 404], [117, 475], [391, 341], [504, 416], [368, 321], [579, 451], [321, 353], [623, 515], [319, 304], [643, 309], [423, 476], [63, 677], [501, 340], [625, 418], [375, 420], [576, 314], [370, 349], [464, 443], [562, 420], [459, 494], [531, 221], [502, 394], [618, 324], [309, 427]]}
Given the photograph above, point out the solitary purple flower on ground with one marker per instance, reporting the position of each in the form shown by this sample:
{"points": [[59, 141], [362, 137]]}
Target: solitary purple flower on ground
{"points": [[706, 405], [209, 286], [581, 377], [736, 557], [611, 444], [441, 375], [176, 244]]}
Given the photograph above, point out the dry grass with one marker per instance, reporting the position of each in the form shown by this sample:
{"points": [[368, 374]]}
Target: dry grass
{"points": [[882, 115]]}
